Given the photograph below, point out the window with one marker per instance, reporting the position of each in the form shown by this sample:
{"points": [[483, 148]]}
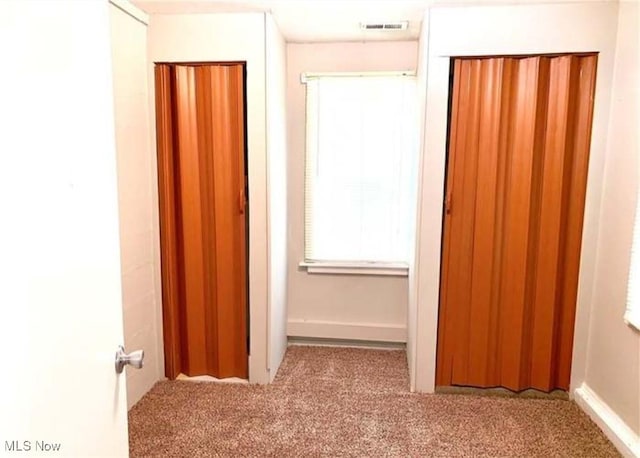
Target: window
{"points": [[360, 168], [632, 316]]}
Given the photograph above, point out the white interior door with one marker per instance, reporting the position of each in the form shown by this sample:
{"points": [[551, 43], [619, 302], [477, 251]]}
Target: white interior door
{"points": [[138, 197], [60, 292]]}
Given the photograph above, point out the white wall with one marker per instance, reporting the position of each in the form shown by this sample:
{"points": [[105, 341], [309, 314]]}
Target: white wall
{"points": [[328, 305], [613, 353], [494, 30], [141, 294], [276, 86], [233, 37], [412, 306]]}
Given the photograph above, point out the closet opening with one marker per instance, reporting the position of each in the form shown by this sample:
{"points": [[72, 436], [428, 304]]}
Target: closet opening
{"points": [[201, 121], [516, 174]]}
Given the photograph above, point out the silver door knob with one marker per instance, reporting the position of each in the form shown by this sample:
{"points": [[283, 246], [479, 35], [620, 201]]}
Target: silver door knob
{"points": [[135, 359]]}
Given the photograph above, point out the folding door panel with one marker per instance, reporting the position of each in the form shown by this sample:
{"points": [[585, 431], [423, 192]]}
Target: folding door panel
{"points": [[518, 154], [203, 223]]}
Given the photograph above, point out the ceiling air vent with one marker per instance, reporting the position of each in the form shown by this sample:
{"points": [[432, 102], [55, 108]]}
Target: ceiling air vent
{"points": [[402, 25]]}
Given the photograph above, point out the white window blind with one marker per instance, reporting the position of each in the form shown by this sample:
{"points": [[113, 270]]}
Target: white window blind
{"points": [[632, 315], [360, 168]]}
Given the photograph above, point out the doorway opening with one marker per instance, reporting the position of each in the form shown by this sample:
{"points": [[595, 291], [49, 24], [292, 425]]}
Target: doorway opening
{"points": [[519, 136], [203, 195]]}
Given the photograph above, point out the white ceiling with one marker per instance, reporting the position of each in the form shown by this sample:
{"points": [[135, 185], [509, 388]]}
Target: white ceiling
{"points": [[325, 20]]}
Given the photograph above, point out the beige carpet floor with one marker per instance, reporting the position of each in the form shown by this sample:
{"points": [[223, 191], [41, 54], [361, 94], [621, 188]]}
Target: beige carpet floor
{"points": [[352, 402]]}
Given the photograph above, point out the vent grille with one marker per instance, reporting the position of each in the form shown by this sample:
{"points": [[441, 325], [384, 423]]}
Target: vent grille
{"points": [[402, 25]]}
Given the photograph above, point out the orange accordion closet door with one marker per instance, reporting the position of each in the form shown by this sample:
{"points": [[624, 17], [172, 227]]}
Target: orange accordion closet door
{"points": [[520, 130], [201, 161]]}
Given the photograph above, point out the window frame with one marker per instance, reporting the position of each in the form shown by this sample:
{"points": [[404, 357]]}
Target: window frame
{"points": [[313, 266]]}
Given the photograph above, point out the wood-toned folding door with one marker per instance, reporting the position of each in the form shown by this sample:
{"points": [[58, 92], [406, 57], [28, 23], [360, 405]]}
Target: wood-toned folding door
{"points": [[518, 151], [202, 185]]}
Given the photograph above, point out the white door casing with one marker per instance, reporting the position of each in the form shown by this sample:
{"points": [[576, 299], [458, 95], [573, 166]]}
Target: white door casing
{"points": [[60, 291]]}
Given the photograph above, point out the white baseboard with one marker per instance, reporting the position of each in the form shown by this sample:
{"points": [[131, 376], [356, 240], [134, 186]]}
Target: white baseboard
{"points": [[619, 433], [348, 331], [344, 343]]}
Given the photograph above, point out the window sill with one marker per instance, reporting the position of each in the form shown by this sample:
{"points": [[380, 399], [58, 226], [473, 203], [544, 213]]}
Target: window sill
{"points": [[395, 269]]}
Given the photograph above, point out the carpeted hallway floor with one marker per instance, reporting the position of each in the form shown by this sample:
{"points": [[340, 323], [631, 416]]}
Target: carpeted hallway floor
{"points": [[352, 402]]}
